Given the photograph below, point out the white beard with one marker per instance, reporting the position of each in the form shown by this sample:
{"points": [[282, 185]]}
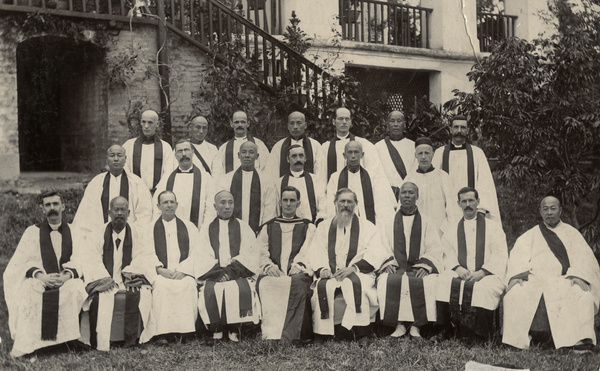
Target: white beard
{"points": [[344, 218]]}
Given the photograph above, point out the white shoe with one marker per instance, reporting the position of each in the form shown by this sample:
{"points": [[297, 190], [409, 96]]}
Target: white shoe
{"points": [[234, 337], [399, 332], [415, 332], [218, 336]]}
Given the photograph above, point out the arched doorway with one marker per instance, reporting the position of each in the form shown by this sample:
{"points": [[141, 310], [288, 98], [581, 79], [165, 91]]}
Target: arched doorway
{"points": [[63, 104]]}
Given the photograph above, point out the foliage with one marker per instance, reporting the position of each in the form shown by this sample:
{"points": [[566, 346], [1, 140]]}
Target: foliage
{"points": [[538, 104], [295, 37]]}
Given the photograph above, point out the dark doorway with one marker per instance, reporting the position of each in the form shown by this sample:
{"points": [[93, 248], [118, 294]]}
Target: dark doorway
{"points": [[62, 100]]}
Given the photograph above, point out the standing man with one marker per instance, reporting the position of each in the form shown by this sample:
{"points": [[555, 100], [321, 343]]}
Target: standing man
{"points": [[312, 193], [92, 212], [249, 189], [42, 288], [149, 155], [193, 188], [228, 296], [468, 166], [435, 187], [332, 158], [375, 198], [285, 278], [406, 288], [475, 256], [207, 156], [119, 270], [345, 253], [175, 242], [239, 124], [397, 154], [553, 285], [277, 165]]}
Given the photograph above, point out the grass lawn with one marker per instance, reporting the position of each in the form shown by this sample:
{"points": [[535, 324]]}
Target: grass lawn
{"points": [[18, 212]]}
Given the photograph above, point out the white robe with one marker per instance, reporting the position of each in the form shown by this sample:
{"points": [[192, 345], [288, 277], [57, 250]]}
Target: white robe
{"points": [[261, 161], [484, 182], [147, 160], [24, 295], [570, 310], [406, 150], [303, 211], [248, 257], [272, 167], [183, 189], [488, 291], [165, 317], [430, 249], [371, 250], [89, 215], [383, 197]]}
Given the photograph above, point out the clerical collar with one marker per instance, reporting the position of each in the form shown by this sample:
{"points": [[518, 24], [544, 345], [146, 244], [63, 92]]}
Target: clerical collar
{"points": [[556, 226], [408, 213], [168, 221], [243, 138], [473, 219], [191, 169], [457, 146], [431, 168], [355, 171], [248, 171], [116, 176], [344, 137], [296, 174], [395, 140], [148, 140], [54, 227], [224, 220], [199, 143], [121, 234], [300, 138]]}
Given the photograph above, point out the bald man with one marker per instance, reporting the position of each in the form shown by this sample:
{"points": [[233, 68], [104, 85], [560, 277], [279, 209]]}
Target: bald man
{"points": [[206, 155], [376, 200], [239, 124], [92, 212], [249, 189], [397, 153], [149, 156], [553, 283]]}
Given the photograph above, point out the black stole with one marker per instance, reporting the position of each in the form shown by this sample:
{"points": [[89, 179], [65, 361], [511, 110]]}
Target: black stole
{"points": [[284, 167], [310, 190], [470, 162], [158, 159], [332, 155], [50, 297], [229, 153], [479, 243], [556, 246], [396, 158], [109, 248], [124, 192], [332, 238], [196, 188], [275, 241], [367, 190], [234, 232], [255, 198], [405, 262], [160, 241], [204, 164]]}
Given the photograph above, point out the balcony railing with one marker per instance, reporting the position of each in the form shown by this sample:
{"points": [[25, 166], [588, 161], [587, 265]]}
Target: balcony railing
{"points": [[384, 23], [95, 8], [494, 28]]}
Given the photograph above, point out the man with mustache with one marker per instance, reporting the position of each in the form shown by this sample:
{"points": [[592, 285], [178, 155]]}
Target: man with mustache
{"points": [[396, 152], [312, 193], [206, 155], [475, 256], [240, 124], [406, 287], [150, 156], [193, 187], [42, 285], [119, 269], [345, 253], [468, 166], [92, 212], [553, 283]]}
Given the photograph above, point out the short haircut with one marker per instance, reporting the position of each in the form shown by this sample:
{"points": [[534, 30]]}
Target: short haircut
{"points": [[294, 146], [50, 194], [218, 193], [341, 191], [180, 141], [291, 189], [114, 200], [458, 117], [239, 110], [195, 117], [151, 110], [464, 190], [353, 142], [166, 192], [339, 108], [389, 116], [553, 196]]}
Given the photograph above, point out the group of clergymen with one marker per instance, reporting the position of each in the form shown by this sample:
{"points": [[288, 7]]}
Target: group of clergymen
{"points": [[308, 239]]}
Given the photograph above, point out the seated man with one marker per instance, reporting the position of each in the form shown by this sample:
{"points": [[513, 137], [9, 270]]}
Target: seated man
{"points": [[553, 284], [475, 255], [174, 243], [119, 269], [228, 296], [284, 282], [406, 289], [345, 252], [42, 288]]}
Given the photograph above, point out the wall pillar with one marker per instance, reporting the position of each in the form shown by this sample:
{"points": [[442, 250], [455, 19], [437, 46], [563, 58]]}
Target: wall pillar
{"points": [[529, 24], [448, 29]]}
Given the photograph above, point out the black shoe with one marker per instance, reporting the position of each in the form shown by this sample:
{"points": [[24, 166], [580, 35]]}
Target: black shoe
{"points": [[583, 348], [319, 339]]}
